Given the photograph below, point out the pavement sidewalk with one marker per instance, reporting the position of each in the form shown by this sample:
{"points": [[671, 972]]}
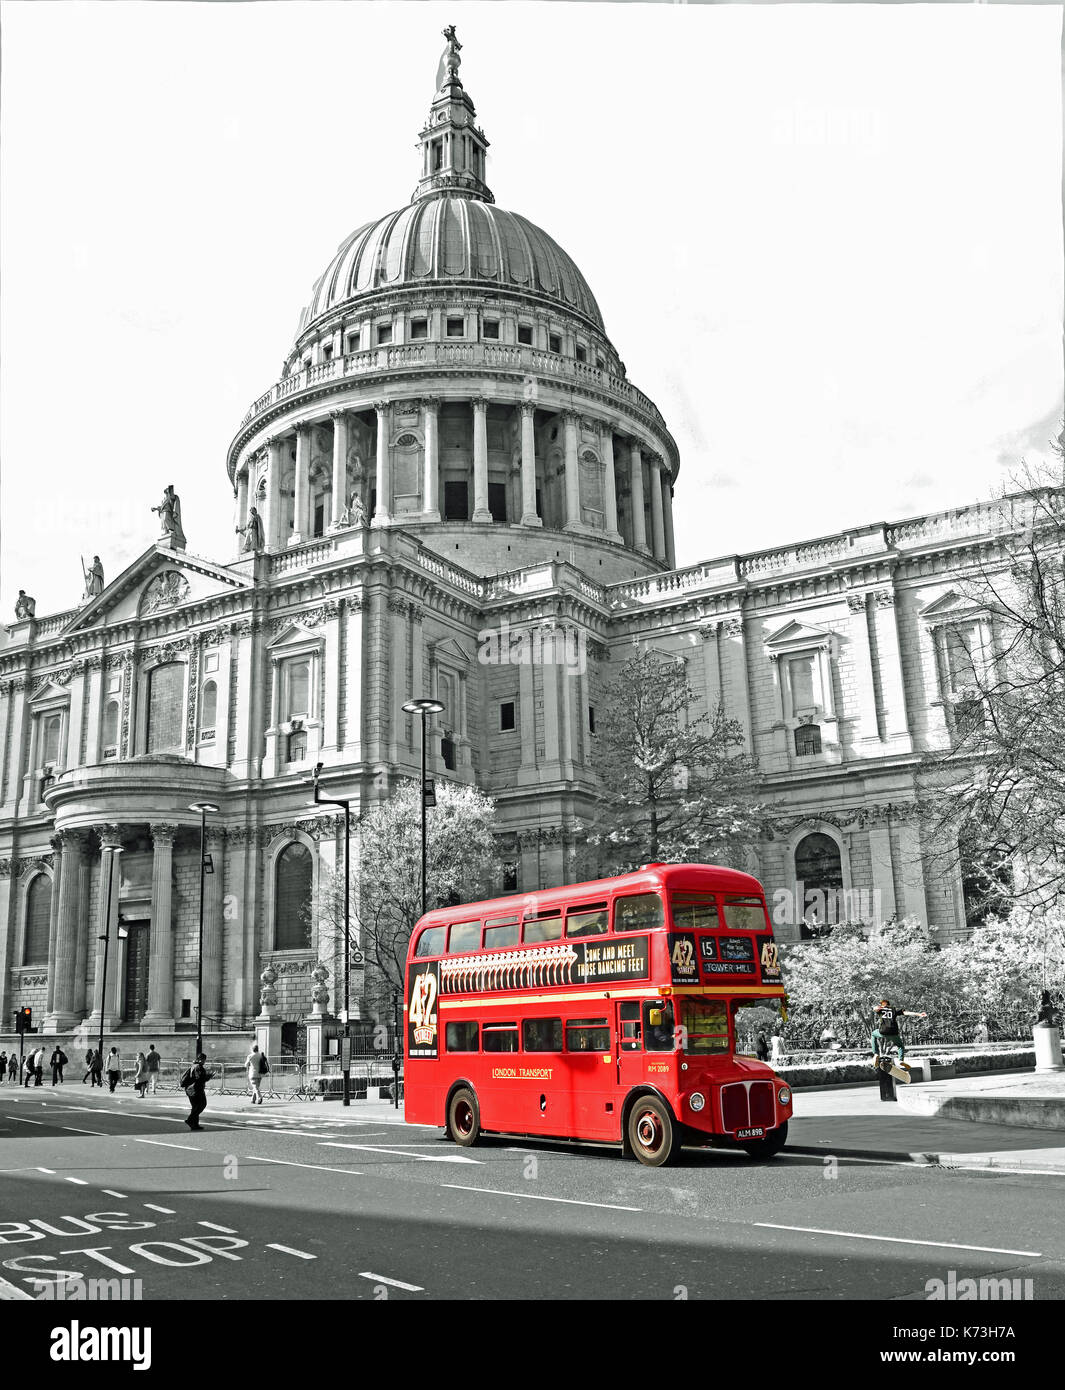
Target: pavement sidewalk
{"points": [[1014, 1121]]}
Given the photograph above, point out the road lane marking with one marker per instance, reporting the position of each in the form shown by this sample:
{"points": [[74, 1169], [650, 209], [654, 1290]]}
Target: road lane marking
{"points": [[111, 1193], [47, 1170], [289, 1163], [226, 1230], [80, 1181], [23, 1121], [901, 1240], [163, 1145], [167, 1211], [535, 1197], [398, 1153], [392, 1283], [10, 1291], [100, 1134], [288, 1250]]}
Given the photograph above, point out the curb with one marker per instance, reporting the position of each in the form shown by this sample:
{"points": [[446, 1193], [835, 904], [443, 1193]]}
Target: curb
{"points": [[950, 1161]]}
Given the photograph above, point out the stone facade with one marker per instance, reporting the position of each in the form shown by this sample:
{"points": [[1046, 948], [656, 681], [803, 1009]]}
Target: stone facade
{"points": [[453, 452]]}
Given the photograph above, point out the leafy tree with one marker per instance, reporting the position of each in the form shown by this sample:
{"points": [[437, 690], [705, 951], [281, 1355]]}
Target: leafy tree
{"points": [[386, 885], [995, 800], [672, 786]]}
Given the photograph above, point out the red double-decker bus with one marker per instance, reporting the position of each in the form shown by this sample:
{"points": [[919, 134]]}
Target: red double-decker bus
{"points": [[602, 1011]]}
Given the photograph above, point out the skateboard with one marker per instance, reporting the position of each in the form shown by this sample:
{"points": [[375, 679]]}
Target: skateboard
{"points": [[899, 1070]]}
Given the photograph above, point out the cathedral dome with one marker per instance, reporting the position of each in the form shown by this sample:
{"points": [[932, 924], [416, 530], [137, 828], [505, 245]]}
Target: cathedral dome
{"points": [[447, 238]]}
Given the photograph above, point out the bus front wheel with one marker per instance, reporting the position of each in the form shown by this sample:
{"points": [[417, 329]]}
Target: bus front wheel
{"points": [[771, 1144], [652, 1134], [464, 1117]]}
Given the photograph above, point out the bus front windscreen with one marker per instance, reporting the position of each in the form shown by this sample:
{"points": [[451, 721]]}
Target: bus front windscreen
{"points": [[705, 1024]]}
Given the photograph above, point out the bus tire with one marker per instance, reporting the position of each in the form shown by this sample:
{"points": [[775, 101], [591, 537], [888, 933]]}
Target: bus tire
{"points": [[651, 1131], [464, 1117], [771, 1144]]}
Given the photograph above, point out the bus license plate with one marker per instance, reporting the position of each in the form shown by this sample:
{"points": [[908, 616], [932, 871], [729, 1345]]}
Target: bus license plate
{"points": [[756, 1133]]}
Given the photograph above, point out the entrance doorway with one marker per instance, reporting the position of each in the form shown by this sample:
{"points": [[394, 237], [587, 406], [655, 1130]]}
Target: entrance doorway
{"points": [[456, 501], [135, 995]]}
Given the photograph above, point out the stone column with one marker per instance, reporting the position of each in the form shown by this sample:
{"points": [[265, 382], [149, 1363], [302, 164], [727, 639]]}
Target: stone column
{"points": [[667, 504], [639, 524], [529, 515], [110, 866], [63, 958], [481, 512], [431, 461], [242, 496], [160, 1013], [610, 490], [573, 481], [383, 511], [211, 1003], [658, 530], [272, 510], [303, 486], [340, 466]]}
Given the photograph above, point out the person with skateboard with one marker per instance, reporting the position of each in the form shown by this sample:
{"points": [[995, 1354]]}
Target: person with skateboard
{"points": [[886, 1027]]}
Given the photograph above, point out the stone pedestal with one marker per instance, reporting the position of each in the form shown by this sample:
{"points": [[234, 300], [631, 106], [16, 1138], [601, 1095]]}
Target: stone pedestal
{"points": [[317, 1051], [268, 1036], [1047, 1048]]}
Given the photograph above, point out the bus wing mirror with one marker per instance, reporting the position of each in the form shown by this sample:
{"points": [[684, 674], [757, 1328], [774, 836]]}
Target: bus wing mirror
{"points": [[654, 1018]]}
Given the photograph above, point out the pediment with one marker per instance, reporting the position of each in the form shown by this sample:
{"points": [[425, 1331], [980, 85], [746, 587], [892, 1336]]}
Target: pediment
{"points": [[160, 581], [451, 650], [950, 606], [796, 636], [52, 687], [292, 635]]}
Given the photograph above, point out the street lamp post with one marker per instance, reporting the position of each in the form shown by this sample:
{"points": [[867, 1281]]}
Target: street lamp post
{"points": [[106, 938], [345, 1060], [423, 707], [206, 867]]}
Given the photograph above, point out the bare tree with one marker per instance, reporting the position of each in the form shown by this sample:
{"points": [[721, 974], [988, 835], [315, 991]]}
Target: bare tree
{"points": [[673, 785], [995, 799]]}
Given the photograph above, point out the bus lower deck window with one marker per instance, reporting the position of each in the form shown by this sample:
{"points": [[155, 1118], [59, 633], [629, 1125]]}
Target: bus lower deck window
{"points": [[587, 1035], [461, 1037], [658, 1025], [541, 1035], [500, 1037]]}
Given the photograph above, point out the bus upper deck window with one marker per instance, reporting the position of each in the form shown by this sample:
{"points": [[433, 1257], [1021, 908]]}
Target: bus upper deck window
{"points": [[431, 942], [591, 922], [692, 911], [506, 934], [542, 929], [465, 936], [638, 912], [745, 914]]}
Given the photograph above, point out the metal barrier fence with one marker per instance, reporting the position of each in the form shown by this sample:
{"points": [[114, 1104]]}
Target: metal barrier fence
{"points": [[804, 1032]]}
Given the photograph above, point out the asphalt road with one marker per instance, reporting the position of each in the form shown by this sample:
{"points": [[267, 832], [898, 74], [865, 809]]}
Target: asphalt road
{"points": [[343, 1206]]}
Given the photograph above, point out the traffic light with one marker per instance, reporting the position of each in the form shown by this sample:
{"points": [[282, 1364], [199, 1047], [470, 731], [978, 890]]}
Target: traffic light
{"points": [[24, 1020]]}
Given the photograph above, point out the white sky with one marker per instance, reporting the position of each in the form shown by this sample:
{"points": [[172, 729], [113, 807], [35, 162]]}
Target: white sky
{"points": [[826, 240]]}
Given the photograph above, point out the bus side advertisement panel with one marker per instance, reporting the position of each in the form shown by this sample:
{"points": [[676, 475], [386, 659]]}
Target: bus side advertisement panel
{"points": [[423, 1019]]}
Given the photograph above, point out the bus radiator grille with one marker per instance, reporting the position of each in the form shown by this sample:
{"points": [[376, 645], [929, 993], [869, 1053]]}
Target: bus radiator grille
{"points": [[744, 1104]]}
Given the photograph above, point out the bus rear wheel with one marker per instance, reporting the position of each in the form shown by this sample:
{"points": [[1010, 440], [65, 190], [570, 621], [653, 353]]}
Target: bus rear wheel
{"points": [[651, 1132], [771, 1144], [464, 1117]]}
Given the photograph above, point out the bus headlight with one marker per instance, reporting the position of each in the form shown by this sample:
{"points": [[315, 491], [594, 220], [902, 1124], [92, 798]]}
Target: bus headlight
{"points": [[784, 1095], [696, 1100]]}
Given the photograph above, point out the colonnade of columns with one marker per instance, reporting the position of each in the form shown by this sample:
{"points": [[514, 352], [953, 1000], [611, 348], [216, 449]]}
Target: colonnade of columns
{"points": [[644, 476]]}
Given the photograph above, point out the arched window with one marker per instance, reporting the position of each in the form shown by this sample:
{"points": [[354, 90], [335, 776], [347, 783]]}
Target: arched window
{"points": [[38, 912], [292, 899], [51, 729], [208, 709], [166, 723], [807, 740], [819, 869], [111, 729]]}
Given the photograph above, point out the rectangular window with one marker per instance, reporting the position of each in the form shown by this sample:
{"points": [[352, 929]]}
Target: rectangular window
{"points": [[431, 943], [490, 329], [591, 719], [587, 1035], [298, 701], [745, 914], [964, 661], [658, 1026], [638, 912], [186, 1008], [456, 327], [807, 740], [694, 911], [296, 750], [384, 333], [542, 929], [592, 922], [629, 1015], [554, 342], [419, 328], [497, 938], [500, 1037], [51, 727], [705, 1024], [506, 716], [582, 353], [525, 334], [465, 936], [461, 1037], [541, 1035], [801, 675]]}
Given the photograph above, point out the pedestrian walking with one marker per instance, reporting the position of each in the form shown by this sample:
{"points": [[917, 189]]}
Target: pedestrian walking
{"points": [[194, 1083], [154, 1061], [114, 1068], [3, 1066], [58, 1061], [88, 1066], [253, 1066], [761, 1048], [140, 1075], [12, 1070], [98, 1069]]}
